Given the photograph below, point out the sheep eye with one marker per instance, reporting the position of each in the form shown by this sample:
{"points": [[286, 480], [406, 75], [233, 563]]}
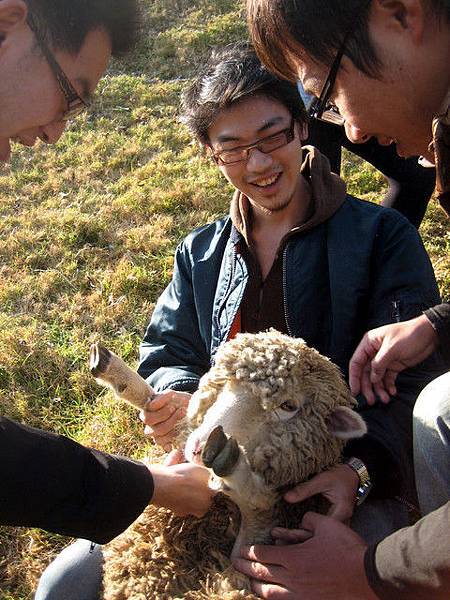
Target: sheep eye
{"points": [[288, 407]]}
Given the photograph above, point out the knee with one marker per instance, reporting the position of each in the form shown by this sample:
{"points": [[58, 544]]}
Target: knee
{"points": [[432, 407], [75, 573]]}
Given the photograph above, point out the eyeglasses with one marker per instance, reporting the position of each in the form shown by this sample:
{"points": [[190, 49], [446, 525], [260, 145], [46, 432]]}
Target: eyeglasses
{"points": [[321, 108], [265, 145], [75, 103]]}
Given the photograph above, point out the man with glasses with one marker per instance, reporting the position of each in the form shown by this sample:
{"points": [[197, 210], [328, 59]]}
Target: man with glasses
{"points": [[278, 260], [52, 55], [384, 67]]}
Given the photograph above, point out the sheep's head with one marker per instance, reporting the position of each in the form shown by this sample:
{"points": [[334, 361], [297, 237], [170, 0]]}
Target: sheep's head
{"points": [[287, 406]]}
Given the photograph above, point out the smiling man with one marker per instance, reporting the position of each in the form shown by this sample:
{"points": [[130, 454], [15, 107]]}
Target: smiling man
{"points": [[279, 260]]}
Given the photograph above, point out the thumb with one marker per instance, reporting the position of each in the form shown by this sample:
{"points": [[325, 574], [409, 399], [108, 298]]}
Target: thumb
{"points": [[380, 362], [305, 490], [312, 521]]}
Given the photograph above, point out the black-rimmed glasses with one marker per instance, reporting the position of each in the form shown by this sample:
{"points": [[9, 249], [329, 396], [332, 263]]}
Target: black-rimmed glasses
{"points": [[321, 107], [75, 103], [265, 145]]}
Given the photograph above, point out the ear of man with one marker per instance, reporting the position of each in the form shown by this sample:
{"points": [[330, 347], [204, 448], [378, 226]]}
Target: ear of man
{"points": [[406, 17], [13, 14]]}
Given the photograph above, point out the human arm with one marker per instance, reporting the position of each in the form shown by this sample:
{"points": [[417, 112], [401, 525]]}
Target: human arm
{"points": [[413, 563], [387, 350], [172, 353], [327, 564], [51, 482]]}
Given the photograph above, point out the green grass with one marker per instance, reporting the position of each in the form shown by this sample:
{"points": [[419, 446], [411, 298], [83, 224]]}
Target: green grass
{"points": [[87, 233]]}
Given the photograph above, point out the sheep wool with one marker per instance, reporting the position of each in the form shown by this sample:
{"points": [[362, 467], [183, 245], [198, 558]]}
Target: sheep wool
{"points": [[290, 412]]}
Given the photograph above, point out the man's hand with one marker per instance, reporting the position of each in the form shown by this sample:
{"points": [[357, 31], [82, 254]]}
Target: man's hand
{"points": [[327, 566], [387, 350], [182, 488], [339, 485], [162, 413]]}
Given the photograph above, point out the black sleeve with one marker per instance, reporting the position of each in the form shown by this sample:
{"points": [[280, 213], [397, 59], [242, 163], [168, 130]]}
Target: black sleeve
{"points": [[51, 482], [439, 317]]}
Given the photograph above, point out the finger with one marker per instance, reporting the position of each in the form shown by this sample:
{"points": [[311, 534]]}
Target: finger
{"points": [[268, 590], [381, 391], [262, 554], [312, 521], [167, 427], [263, 572], [158, 401], [164, 413], [359, 361], [389, 381], [175, 457], [342, 511], [316, 485], [366, 387], [290, 536], [380, 362]]}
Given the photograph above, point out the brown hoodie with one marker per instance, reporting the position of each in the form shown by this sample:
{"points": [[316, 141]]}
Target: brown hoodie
{"points": [[263, 303]]}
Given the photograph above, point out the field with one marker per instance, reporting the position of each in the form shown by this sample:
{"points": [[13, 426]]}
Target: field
{"points": [[87, 233]]}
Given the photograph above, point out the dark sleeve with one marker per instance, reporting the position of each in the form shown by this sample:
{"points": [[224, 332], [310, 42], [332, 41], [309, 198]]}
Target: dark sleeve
{"points": [[439, 317], [172, 353], [398, 293], [413, 563], [51, 482]]}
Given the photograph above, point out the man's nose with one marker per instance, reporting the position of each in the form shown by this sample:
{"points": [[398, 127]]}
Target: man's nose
{"points": [[354, 134], [51, 133], [258, 161]]}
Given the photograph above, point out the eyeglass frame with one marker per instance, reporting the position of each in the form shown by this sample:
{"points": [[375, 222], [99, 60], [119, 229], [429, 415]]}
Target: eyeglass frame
{"points": [[318, 108], [288, 132], [75, 103]]}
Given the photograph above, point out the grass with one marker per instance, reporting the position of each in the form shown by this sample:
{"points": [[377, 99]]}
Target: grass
{"points": [[87, 233]]}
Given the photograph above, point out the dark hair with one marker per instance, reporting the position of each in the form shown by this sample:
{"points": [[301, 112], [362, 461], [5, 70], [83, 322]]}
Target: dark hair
{"points": [[281, 28], [64, 24], [231, 74]]}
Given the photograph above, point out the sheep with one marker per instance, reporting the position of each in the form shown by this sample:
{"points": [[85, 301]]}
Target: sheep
{"points": [[269, 414]]}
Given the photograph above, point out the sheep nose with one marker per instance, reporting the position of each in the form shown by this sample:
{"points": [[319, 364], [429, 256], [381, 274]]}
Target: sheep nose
{"points": [[220, 453]]}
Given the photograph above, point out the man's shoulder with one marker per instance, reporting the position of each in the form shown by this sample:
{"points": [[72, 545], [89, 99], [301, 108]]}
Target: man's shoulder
{"points": [[355, 209], [208, 235]]}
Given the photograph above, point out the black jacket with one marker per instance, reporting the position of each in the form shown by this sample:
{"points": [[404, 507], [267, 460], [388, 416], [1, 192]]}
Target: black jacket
{"points": [[51, 482]]}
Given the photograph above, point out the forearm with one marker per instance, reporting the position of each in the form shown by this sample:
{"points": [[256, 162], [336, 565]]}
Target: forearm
{"points": [[439, 317], [413, 563], [56, 484]]}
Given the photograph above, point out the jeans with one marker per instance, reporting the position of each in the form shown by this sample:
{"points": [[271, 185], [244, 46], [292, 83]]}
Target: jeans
{"points": [[432, 444], [75, 574]]}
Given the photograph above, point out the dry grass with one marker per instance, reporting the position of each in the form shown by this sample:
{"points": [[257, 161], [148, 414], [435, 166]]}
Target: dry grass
{"points": [[87, 232]]}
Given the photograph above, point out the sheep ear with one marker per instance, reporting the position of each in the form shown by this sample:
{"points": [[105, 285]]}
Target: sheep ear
{"points": [[345, 424]]}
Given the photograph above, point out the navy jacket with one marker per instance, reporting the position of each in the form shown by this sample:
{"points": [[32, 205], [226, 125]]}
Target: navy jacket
{"points": [[362, 268]]}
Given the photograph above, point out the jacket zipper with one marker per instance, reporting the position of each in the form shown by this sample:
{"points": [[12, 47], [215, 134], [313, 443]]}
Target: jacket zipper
{"points": [[396, 310], [285, 291]]}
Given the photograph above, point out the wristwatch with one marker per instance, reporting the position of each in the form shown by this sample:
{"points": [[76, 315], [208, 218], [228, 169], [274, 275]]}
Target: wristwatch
{"points": [[365, 485]]}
